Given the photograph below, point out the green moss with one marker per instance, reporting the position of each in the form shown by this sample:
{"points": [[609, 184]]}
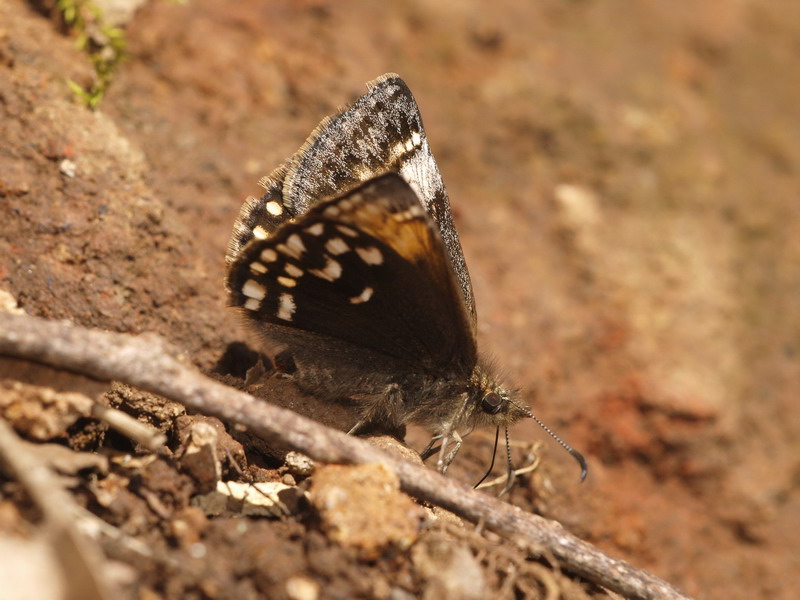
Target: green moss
{"points": [[103, 44]]}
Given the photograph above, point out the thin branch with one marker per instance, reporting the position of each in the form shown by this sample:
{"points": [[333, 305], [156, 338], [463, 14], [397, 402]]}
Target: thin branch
{"points": [[148, 363], [139, 432]]}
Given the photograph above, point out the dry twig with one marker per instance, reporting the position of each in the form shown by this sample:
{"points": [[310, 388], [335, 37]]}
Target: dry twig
{"points": [[148, 363]]}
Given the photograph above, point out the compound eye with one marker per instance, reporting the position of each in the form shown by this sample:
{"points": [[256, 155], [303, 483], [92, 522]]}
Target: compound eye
{"points": [[491, 403]]}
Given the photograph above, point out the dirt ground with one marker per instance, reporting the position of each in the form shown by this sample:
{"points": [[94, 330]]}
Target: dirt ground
{"points": [[625, 180]]}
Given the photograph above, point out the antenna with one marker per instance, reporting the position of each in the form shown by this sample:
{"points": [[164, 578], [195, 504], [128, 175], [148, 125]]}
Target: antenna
{"points": [[575, 454]]}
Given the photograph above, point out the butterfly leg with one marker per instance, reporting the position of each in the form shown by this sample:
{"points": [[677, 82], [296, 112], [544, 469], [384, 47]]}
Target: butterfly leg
{"points": [[357, 427], [446, 459], [430, 448]]}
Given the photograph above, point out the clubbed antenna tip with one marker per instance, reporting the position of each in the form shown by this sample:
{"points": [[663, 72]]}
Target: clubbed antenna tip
{"points": [[581, 461], [575, 454]]}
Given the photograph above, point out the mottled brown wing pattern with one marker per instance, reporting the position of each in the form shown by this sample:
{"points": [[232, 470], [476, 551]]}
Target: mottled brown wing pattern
{"points": [[369, 268], [381, 132]]}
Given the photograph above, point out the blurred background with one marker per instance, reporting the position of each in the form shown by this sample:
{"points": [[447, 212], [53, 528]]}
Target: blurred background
{"points": [[624, 177]]}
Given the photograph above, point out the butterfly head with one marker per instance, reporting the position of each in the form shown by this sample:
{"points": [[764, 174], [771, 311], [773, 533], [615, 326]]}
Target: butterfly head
{"points": [[490, 403]]}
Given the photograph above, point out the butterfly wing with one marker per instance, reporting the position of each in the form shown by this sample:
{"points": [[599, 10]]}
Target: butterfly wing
{"points": [[380, 133], [368, 268]]}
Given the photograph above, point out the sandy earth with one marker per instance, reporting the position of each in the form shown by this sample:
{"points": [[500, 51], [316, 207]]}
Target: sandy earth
{"points": [[624, 177]]}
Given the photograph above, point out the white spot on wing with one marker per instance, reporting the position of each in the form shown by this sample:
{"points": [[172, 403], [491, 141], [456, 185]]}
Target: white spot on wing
{"points": [[336, 246], [287, 281], [252, 304], [257, 267], [295, 242], [260, 233], [253, 289], [269, 255], [416, 139], [274, 208], [363, 296], [421, 173], [398, 150], [414, 212], [371, 255], [347, 230], [286, 308], [330, 272], [293, 270], [293, 247], [315, 229]]}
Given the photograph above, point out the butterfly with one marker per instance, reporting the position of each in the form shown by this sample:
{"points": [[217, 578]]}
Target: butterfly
{"points": [[350, 270]]}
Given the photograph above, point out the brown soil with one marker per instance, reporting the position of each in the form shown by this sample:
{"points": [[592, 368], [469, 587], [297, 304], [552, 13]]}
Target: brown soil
{"points": [[625, 181]]}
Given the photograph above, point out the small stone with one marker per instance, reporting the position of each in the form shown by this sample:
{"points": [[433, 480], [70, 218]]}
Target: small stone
{"points": [[362, 507], [68, 168], [302, 588], [234, 498], [299, 464]]}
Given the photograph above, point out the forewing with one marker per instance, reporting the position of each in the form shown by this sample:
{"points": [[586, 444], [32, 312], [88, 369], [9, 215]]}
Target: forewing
{"points": [[380, 133], [369, 268]]}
